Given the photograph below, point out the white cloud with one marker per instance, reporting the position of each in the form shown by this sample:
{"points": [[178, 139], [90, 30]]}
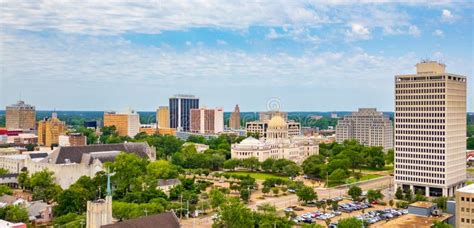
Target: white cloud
{"points": [[221, 42], [358, 32], [438, 32], [272, 35], [414, 31], [153, 17], [446, 15]]}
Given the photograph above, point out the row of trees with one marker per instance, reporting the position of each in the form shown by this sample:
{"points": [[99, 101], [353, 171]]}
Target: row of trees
{"points": [[339, 161], [281, 167]]}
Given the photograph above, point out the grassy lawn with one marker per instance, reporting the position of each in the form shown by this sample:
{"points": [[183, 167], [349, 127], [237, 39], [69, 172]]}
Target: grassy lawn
{"points": [[365, 177], [385, 168], [469, 182], [351, 180], [258, 176], [471, 170]]}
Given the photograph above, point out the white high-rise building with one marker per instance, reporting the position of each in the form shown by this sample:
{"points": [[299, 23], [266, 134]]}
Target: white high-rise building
{"points": [[430, 130], [369, 127]]}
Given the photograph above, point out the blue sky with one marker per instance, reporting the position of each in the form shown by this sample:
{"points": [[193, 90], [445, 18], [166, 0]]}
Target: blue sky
{"points": [[307, 55]]}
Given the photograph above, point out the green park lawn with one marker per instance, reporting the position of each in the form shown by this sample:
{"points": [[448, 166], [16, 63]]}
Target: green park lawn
{"points": [[256, 175], [365, 177]]}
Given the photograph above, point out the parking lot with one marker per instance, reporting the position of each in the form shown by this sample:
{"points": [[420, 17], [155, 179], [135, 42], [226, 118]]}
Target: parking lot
{"points": [[363, 211]]}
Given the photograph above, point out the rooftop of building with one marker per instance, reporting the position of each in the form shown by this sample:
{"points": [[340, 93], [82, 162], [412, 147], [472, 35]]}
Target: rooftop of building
{"points": [[21, 104], [277, 122], [74, 154], [411, 220], [163, 220], [422, 204], [467, 189]]}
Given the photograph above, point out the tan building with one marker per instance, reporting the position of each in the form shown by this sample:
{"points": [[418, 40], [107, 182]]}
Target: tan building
{"points": [[149, 129], [267, 116], [166, 131], [465, 207], [126, 123], [20, 116], [430, 130], [261, 127], [369, 127], [163, 117], [49, 130], [234, 120], [207, 121]]}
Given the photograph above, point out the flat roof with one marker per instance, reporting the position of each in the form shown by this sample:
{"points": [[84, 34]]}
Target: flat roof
{"points": [[423, 204], [411, 220], [467, 189]]}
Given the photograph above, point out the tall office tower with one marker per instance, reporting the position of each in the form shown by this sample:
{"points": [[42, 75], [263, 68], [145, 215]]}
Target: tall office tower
{"points": [[430, 130], [49, 130], [369, 127], [207, 121], [267, 116], [127, 123], [234, 121], [180, 111], [20, 116], [163, 117]]}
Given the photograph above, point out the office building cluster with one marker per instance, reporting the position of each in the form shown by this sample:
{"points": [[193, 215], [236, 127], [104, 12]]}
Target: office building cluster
{"points": [[369, 127]]}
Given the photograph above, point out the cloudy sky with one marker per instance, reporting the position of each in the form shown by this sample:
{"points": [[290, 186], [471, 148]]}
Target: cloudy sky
{"points": [[306, 55]]}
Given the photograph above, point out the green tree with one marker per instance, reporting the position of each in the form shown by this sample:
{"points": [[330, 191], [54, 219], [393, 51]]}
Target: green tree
{"points": [[291, 170], [129, 171], [69, 220], [419, 196], [30, 147], [234, 214], [313, 225], [15, 213], [266, 189], [251, 163], [5, 190], [350, 223], [335, 205], [72, 200], [439, 224], [268, 164], [245, 194], [339, 175], [399, 193], [266, 208], [306, 194], [355, 192], [161, 169], [90, 134], [441, 202], [470, 143], [231, 164], [43, 186], [390, 157], [313, 164], [217, 198], [275, 190], [408, 195], [374, 195]]}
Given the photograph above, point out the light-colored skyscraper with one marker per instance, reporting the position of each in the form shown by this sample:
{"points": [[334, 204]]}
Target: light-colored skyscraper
{"points": [[267, 116], [180, 111], [20, 116], [126, 123], [207, 121], [367, 126], [49, 130], [430, 130], [234, 121], [163, 117]]}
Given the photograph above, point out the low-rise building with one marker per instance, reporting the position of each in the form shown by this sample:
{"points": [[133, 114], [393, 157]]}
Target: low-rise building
{"points": [[166, 184], [70, 163], [199, 146], [72, 139], [465, 207]]}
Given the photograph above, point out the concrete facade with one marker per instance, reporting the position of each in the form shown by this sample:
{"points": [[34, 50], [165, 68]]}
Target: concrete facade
{"points": [[465, 207], [163, 117], [207, 121], [430, 130], [49, 130], [127, 123], [234, 120], [369, 127], [20, 116]]}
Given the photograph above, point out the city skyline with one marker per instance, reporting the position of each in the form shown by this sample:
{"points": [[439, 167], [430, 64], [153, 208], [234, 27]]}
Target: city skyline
{"points": [[339, 54]]}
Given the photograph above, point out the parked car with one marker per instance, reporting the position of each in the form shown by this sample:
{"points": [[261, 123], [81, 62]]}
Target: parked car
{"points": [[288, 209]]}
